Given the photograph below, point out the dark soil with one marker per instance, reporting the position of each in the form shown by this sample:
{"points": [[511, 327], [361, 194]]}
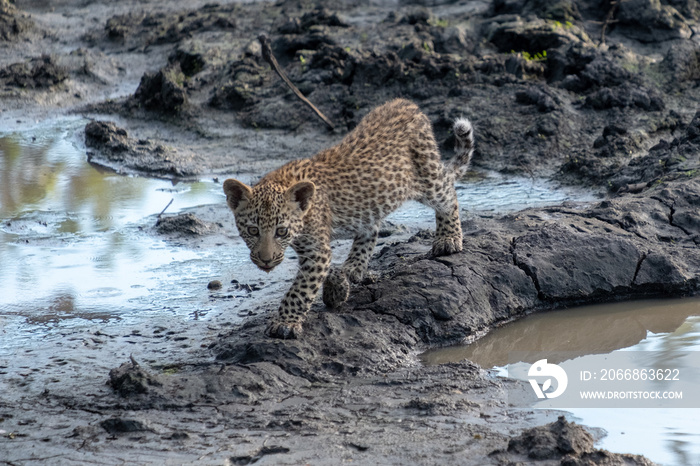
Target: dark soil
{"points": [[184, 224], [585, 92], [111, 146], [13, 22], [566, 442], [41, 72], [542, 90]]}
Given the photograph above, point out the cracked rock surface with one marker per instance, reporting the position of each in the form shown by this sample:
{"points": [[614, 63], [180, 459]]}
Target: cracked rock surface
{"points": [[534, 260]]}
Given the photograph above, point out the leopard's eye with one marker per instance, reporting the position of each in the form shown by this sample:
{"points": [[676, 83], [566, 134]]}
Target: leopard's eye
{"points": [[282, 232], [253, 231]]}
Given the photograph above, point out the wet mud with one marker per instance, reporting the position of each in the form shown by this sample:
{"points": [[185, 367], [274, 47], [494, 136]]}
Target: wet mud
{"points": [[13, 22], [111, 146], [582, 92]]}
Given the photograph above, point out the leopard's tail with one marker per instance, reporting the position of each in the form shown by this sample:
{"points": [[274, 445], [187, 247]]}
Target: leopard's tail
{"points": [[464, 146]]}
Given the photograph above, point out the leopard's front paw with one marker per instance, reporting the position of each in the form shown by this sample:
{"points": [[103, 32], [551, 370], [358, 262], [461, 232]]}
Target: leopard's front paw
{"points": [[444, 246], [284, 330], [336, 288]]}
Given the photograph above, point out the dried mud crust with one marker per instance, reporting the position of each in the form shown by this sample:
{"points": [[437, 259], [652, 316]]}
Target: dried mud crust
{"points": [[13, 22], [541, 89], [42, 72], [186, 224], [111, 146]]}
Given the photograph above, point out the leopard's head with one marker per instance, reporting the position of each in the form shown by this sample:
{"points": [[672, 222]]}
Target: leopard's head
{"points": [[268, 217]]}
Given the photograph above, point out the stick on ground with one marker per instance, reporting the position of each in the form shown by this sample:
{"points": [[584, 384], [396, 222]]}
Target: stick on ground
{"points": [[166, 208], [608, 21], [270, 58]]}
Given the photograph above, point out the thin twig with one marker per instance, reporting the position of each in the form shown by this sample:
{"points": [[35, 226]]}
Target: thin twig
{"points": [[166, 207], [270, 58], [608, 20]]}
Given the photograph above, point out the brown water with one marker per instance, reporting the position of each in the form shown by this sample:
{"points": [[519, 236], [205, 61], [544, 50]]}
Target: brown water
{"points": [[665, 329], [584, 330]]}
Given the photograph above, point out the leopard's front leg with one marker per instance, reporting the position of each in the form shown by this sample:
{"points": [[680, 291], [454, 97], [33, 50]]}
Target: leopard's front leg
{"points": [[314, 263]]}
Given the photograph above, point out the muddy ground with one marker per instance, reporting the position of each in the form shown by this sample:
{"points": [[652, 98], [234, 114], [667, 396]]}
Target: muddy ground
{"points": [[584, 92]]}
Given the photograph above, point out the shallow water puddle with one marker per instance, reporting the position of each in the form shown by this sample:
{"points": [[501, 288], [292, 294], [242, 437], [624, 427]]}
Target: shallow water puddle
{"points": [[72, 239], [663, 328], [497, 193]]}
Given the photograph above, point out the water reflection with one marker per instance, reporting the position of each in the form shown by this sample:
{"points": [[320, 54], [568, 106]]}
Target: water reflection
{"points": [[43, 174], [586, 330], [665, 435], [63, 307], [68, 225], [663, 332], [23, 183]]}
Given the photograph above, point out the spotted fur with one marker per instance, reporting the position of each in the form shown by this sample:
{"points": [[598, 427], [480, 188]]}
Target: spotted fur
{"points": [[389, 158]]}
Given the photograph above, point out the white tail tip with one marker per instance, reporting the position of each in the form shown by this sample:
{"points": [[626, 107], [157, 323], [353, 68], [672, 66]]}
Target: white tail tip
{"points": [[462, 128]]}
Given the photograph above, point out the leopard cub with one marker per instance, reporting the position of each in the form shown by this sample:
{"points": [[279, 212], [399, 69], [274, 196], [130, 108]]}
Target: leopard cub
{"points": [[390, 157]]}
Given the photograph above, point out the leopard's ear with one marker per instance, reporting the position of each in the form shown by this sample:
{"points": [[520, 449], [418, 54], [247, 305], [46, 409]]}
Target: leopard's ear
{"points": [[236, 193], [302, 194]]}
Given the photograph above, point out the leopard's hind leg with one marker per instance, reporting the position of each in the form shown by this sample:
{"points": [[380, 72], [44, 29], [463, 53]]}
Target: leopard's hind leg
{"points": [[336, 287], [448, 229], [434, 184]]}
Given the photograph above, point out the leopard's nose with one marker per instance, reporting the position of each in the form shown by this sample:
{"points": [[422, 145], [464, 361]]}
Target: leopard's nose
{"points": [[266, 256]]}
